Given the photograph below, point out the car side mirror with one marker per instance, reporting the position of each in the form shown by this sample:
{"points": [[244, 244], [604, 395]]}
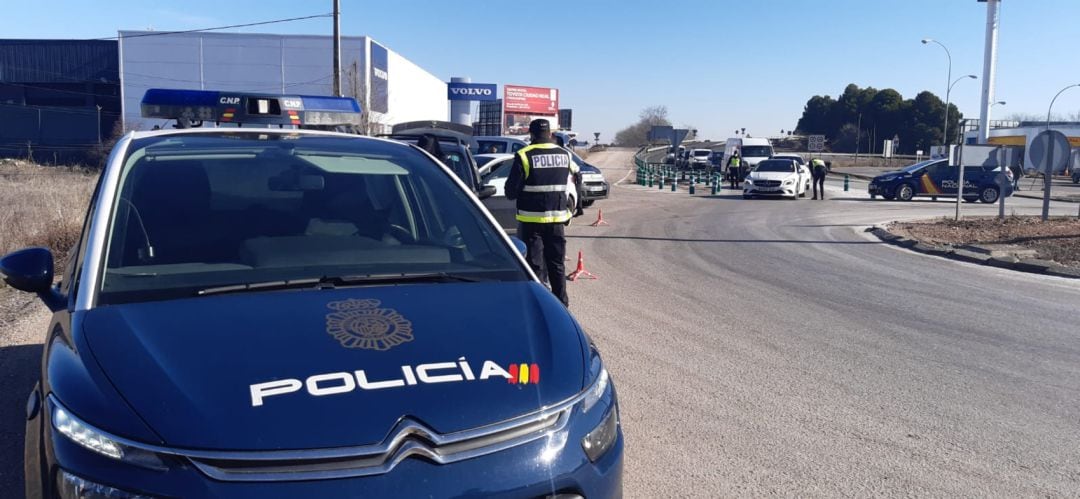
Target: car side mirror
{"points": [[31, 270], [486, 191], [520, 245]]}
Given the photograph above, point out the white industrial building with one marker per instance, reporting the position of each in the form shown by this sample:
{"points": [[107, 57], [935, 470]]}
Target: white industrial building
{"points": [[393, 88]]}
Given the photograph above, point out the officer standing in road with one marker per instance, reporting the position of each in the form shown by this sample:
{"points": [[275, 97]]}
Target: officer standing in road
{"points": [[735, 169], [538, 181], [818, 172]]}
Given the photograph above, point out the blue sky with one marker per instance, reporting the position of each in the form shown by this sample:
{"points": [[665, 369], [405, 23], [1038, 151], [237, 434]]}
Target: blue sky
{"points": [[717, 65]]}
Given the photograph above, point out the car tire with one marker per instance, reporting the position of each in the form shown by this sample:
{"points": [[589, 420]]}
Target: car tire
{"points": [[904, 192], [873, 196], [747, 196], [989, 194], [1076, 179]]}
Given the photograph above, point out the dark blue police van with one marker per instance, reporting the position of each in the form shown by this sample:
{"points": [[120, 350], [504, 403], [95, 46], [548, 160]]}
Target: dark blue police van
{"points": [[935, 178], [286, 312]]}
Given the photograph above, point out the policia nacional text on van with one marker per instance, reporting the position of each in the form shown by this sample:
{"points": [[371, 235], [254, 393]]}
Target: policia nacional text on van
{"points": [[538, 181]]}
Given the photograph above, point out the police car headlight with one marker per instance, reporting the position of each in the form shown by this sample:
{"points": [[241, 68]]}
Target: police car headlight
{"points": [[97, 441], [749, 181], [789, 181], [889, 178], [598, 441], [599, 387], [69, 486]]}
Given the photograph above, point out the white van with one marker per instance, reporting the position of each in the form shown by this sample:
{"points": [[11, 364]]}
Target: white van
{"points": [[751, 150]]}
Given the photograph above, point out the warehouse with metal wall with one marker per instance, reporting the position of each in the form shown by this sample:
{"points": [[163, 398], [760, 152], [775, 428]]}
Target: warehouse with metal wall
{"points": [[388, 85], [59, 98]]}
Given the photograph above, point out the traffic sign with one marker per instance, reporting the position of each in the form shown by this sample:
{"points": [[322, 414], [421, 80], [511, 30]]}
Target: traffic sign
{"points": [[815, 143], [1049, 152], [677, 135]]}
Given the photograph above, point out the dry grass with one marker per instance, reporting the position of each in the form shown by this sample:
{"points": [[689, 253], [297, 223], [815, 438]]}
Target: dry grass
{"points": [[42, 206]]}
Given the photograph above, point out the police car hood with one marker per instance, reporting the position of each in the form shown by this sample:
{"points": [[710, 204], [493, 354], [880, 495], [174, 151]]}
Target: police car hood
{"points": [[771, 175], [329, 368]]}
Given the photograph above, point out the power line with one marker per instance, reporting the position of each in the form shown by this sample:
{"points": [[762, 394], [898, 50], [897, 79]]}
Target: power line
{"points": [[216, 28]]}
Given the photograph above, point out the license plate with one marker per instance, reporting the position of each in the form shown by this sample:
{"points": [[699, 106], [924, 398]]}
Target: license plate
{"points": [[594, 189]]}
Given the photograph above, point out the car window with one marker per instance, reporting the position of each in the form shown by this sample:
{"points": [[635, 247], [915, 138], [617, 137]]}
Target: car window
{"points": [[197, 210], [515, 147], [757, 151], [492, 146], [500, 169]]}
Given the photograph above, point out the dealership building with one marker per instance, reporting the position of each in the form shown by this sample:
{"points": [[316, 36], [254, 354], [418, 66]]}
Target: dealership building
{"points": [[389, 86]]}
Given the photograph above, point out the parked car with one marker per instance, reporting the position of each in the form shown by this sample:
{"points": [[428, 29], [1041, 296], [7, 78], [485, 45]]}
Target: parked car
{"points": [[776, 177], [267, 312], [935, 178]]}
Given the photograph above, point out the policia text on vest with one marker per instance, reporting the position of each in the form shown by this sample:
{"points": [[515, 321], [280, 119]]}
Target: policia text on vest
{"points": [[538, 181]]}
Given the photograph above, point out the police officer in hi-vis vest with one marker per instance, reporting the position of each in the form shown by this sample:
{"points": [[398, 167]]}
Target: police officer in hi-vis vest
{"points": [[538, 181], [818, 170]]}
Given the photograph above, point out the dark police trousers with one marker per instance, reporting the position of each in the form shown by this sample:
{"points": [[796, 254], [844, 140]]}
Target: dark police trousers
{"points": [[546, 245], [819, 180]]}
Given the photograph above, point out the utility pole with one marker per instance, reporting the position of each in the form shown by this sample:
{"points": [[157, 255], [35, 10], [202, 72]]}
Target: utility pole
{"points": [[337, 48], [989, 68]]}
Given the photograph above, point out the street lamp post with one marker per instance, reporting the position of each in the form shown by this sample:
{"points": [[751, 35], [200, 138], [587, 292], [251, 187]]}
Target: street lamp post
{"points": [[948, 78], [948, 91], [1048, 175]]}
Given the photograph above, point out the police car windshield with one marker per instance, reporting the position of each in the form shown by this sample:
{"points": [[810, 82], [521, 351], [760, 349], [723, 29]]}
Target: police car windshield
{"points": [[775, 165], [197, 211]]}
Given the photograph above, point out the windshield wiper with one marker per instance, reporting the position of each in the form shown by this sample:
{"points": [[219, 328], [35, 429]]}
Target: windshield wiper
{"points": [[331, 282]]}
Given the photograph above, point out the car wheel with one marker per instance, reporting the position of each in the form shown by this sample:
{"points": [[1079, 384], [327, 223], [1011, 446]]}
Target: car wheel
{"points": [[747, 196], [1076, 179], [905, 192], [873, 196], [588, 203], [989, 194]]}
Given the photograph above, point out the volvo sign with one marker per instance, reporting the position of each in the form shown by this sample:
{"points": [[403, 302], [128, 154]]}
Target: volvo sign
{"points": [[471, 91]]}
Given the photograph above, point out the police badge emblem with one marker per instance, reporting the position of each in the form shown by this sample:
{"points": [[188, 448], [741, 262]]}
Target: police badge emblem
{"points": [[362, 324]]}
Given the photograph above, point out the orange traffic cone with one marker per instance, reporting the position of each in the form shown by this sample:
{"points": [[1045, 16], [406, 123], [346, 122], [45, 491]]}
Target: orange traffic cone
{"points": [[599, 218], [580, 272]]}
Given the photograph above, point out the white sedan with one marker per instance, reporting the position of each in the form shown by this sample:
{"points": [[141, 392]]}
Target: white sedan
{"points": [[504, 210], [777, 177]]}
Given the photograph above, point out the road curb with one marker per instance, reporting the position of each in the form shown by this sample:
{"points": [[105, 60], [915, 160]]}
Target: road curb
{"points": [[976, 254]]}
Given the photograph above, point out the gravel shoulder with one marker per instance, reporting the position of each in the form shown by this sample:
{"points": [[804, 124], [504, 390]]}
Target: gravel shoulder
{"points": [[23, 321]]}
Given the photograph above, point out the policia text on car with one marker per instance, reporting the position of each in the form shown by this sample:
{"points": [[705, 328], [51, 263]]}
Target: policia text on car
{"points": [[538, 181]]}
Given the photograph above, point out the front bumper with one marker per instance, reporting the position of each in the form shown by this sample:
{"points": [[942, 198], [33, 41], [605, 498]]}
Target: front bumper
{"points": [[595, 190], [553, 464], [781, 191]]}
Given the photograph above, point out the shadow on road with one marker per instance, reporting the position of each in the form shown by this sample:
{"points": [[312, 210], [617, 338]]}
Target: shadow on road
{"points": [[732, 241], [19, 371]]}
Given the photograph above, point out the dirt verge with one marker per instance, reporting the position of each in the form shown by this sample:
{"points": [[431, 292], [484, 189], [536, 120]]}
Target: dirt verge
{"points": [[1056, 240]]}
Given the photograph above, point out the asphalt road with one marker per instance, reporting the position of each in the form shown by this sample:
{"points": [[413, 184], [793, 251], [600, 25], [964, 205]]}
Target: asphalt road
{"points": [[771, 348]]}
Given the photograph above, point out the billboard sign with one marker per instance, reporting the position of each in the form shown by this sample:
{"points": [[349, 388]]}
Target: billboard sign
{"points": [[380, 79], [471, 91], [530, 100]]}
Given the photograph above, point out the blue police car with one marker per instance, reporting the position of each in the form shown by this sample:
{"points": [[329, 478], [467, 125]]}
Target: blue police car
{"points": [[935, 178], [283, 312]]}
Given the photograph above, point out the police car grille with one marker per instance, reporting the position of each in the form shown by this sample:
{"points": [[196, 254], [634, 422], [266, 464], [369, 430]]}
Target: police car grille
{"points": [[767, 183], [408, 439]]}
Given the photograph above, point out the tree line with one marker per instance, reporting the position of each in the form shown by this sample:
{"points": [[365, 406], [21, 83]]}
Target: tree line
{"points": [[867, 116]]}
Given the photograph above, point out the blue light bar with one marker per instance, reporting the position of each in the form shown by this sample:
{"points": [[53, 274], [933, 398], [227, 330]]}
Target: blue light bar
{"points": [[244, 108]]}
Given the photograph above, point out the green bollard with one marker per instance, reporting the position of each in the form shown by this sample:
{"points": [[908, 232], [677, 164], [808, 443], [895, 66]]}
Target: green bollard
{"points": [[847, 182], [649, 176], [674, 183], [661, 184], [691, 188], [714, 188]]}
